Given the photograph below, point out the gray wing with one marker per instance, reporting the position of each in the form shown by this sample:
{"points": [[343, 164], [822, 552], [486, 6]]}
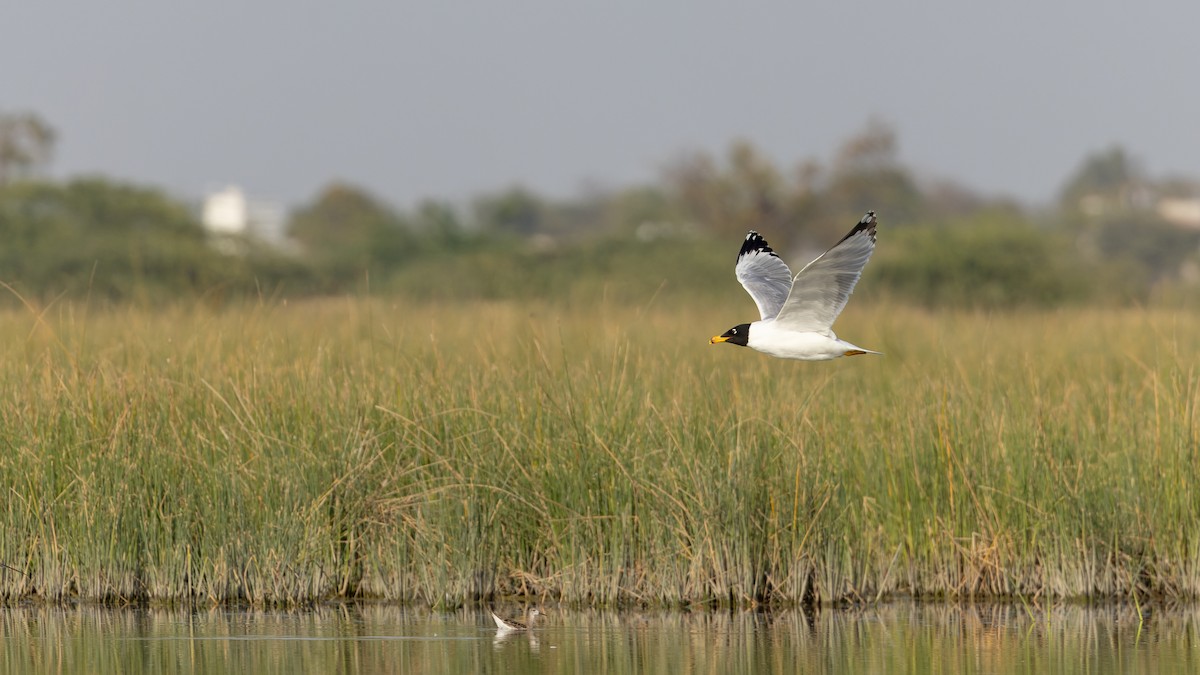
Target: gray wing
{"points": [[763, 274], [821, 289]]}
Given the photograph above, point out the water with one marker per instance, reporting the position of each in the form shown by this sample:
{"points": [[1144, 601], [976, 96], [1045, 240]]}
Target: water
{"points": [[895, 638]]}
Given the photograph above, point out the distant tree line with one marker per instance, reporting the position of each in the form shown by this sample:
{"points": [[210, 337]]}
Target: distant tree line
{"points": [[1105, 241]]}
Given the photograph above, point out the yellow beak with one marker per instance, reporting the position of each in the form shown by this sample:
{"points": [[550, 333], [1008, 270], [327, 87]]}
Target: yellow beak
{"points": [[718, 338]]}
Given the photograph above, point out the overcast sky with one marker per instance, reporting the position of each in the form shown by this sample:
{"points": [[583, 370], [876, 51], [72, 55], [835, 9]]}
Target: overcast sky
{"points": [[451, 99]]}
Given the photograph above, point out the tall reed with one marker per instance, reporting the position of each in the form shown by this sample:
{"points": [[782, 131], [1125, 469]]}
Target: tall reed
{"points": [[598, 455]]}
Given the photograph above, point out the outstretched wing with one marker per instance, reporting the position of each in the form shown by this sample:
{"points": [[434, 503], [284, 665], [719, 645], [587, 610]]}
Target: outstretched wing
{"points": [[763, 274], [820, 291]]}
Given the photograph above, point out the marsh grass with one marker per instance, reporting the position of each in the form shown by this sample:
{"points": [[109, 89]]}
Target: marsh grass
{"points": [[285, 454]]}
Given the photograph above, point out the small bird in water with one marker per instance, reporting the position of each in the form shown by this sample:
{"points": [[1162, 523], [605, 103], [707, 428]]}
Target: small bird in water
{"points": [[798, 314], [512, 625]]}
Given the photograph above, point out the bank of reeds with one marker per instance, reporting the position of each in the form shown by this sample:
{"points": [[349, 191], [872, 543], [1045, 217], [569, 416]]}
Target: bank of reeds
{"points": [[596, 455]]}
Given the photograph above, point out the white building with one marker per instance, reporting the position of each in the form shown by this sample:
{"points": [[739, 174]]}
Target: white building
{"points": [[226, 211], [229, 211], [1181, 211]]}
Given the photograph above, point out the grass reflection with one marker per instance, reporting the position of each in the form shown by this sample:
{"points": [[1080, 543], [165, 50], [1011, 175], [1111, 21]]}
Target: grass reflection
{"points": [[378, 638]]}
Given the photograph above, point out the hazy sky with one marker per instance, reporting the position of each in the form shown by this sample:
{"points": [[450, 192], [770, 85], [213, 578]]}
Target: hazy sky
{"points": [[450, 99]]}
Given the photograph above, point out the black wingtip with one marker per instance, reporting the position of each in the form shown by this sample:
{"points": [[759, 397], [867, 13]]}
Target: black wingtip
{"points": [[755, 243], [867, 224]]}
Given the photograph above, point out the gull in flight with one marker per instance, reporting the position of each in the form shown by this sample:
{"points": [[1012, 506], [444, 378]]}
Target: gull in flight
{"points": [[798, 313]]}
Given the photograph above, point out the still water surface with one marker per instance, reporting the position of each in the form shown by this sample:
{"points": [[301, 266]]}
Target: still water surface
{"points": [[894, 638]]}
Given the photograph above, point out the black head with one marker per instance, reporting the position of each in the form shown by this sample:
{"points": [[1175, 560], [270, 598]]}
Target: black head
{"points": [[737, 335]]}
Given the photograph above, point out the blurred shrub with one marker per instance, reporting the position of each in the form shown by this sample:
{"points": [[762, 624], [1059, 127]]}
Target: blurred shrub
{"points": [[623, 270], [940, 244], [108, 241], [991, 259]]}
